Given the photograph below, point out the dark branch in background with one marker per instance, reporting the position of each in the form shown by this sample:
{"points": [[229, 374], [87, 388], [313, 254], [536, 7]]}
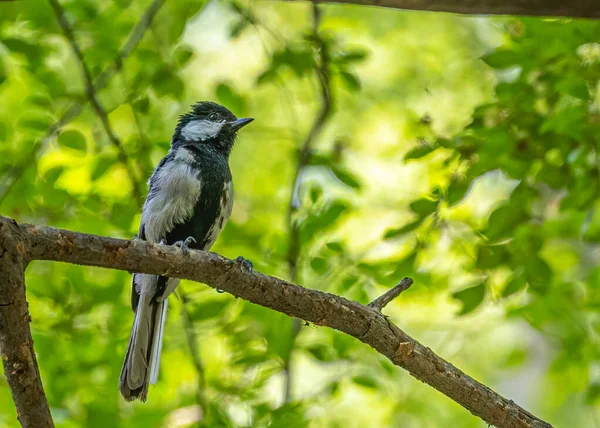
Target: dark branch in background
{"points": [[12, 176], [362, 322], [382, 301], [293, 254], [16, 345], [573, 9], [190, 333], [93, 97]]}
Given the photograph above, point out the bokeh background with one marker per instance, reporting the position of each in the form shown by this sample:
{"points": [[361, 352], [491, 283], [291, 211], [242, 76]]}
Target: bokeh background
{"points": [[460, 151]]}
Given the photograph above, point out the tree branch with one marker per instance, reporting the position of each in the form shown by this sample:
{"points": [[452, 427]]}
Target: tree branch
{"points": [[16, 345], [324, 309], [93, 96], [573, 9], [137, 33], [382, 301], [293, 254]]}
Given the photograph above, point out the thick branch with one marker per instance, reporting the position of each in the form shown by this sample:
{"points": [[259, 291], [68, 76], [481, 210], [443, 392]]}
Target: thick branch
{"points": [[324, 309], [92, 96], [11, 176], [16, 345], [573, 9]]}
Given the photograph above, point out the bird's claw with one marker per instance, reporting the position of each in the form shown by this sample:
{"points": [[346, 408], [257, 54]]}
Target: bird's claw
{"points": [[245, 264], [185, 245]]}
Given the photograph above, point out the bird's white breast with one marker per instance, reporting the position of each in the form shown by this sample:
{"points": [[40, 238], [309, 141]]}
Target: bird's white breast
{"points": [[177, 191]]}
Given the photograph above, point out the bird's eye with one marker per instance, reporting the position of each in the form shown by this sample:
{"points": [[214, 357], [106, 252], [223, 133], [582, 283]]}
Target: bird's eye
{"points": [[213, 116]]}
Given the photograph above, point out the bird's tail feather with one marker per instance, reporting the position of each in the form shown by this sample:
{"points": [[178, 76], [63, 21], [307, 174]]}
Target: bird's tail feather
{"points": [[142, 359]]}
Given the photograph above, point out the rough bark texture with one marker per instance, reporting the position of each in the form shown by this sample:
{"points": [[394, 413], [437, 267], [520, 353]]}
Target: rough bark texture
{"points": [[364, 323], [16, 344], [573, 9]]}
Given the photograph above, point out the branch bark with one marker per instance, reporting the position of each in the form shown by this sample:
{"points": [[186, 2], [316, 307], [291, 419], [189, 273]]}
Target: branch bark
{"points": [[573, 9], [366, 324], [16, 345]]}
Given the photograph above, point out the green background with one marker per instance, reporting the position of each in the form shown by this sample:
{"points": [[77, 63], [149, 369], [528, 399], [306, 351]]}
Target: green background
{"points": [[461, 151]]}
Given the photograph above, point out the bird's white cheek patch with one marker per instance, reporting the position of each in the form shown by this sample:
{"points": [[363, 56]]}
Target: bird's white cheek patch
{"points": [[200, 130]]}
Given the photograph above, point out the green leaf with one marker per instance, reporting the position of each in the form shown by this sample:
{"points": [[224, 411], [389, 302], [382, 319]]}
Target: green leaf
{"points": [[457, 191], [326, 218], [502, 58], [319, 265], [39, 101], [315, 193], [470, 298], [393, 233], [35, 122], [366, 381], [53, 174], [420, 151], [350, 80], [491, 256], [165, 83], [142, 105], [538, 274], [236, 29], [182, 55], [350, 56], [321, 352], [424, 206], [72, 139], [346, 177], [514, 285], [504, 220], [31, 51], [335, 246], [103, 164]]}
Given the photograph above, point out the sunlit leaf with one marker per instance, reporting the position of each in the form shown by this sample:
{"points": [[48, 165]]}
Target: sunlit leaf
{"points": [[346, 177], [424, 206], [470, 298], [72, 139]]}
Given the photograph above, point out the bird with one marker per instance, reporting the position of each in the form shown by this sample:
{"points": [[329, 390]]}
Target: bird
{"points": [[189, 201]]}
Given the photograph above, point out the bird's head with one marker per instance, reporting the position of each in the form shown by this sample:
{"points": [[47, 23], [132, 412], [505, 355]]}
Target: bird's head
{"points": [[208, 123]]}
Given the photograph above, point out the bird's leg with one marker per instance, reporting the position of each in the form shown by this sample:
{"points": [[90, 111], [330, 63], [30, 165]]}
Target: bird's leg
{"points": [[246, 266], [185, 245]]}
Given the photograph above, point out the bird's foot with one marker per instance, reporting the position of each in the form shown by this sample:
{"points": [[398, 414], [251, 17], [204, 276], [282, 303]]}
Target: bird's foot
{"points": [[185, 245], [246, 266]]}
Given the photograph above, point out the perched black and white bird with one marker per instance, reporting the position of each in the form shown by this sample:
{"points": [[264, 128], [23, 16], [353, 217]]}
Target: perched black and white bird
{"points": [[189, 201]]}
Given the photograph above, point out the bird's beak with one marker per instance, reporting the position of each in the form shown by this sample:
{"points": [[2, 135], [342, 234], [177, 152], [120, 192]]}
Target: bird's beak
{"points": [[240, 123]]}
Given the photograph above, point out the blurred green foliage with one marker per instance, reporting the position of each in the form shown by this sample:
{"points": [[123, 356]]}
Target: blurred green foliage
{"points": [[463, 152]]}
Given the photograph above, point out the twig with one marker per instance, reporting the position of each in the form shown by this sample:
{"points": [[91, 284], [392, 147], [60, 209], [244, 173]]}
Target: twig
{"points": [[93, 96], [190, 333], [293, 254], [324, 309], [382, 301], [11, 176]]}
